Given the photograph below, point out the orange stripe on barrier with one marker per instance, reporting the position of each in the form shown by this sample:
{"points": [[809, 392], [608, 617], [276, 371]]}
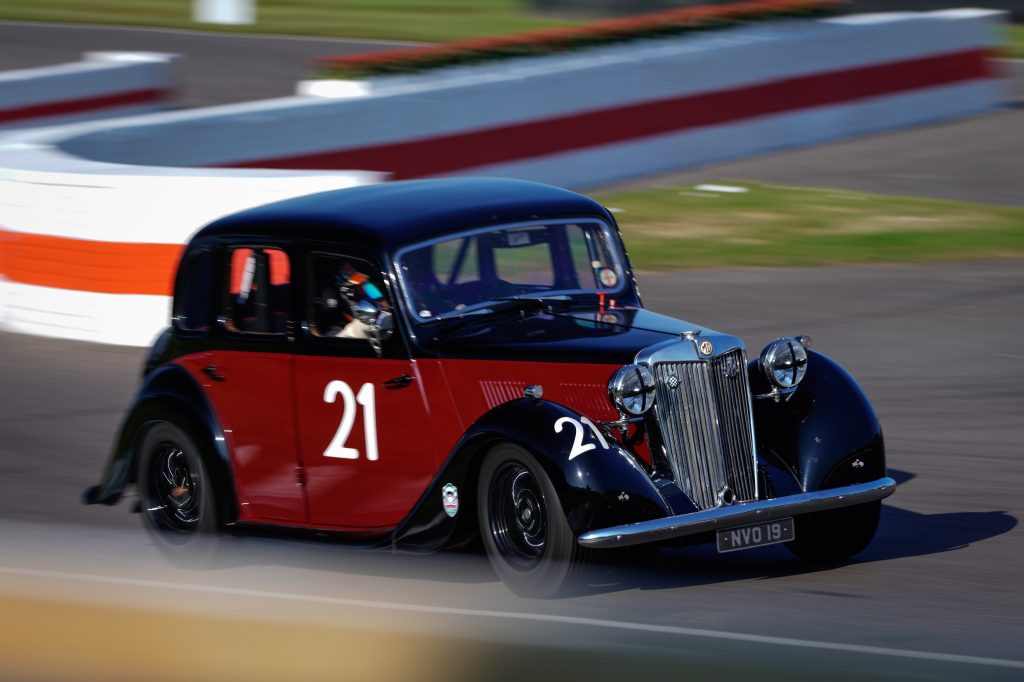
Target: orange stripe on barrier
{"points": [[84, 265]]}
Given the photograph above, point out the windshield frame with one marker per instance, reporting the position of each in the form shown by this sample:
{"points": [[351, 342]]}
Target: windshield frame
{"points": [[615, 246]]}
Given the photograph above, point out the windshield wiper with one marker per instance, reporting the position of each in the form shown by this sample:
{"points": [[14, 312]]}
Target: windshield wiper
{"points": [[529, 301], [503, 305]]}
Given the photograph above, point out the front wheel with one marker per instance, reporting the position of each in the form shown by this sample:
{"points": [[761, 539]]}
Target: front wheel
{"points": [[835, 535], [177, 497], [523, 527]]}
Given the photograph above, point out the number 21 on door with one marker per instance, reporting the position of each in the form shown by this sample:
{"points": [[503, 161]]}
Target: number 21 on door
{"points": [[349, 399]]}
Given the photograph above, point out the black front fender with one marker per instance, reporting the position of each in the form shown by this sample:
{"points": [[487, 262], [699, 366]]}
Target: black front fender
{"points": [[826, 434], [601, 486]]}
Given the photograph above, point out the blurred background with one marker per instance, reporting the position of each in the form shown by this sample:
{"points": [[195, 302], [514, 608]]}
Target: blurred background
{"points": [[777, 167]]}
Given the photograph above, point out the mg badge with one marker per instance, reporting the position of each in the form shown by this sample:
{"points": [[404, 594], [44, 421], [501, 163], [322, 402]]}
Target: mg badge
{"points": [[672, 381], [706, 348]]}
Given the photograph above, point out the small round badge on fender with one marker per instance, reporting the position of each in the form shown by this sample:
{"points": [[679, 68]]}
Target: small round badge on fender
{"points": [[450, 499]]}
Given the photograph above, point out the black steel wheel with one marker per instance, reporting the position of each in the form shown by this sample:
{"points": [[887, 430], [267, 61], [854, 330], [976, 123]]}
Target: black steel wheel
{"points": [[176, 495], [836, 535], [522, 525]]}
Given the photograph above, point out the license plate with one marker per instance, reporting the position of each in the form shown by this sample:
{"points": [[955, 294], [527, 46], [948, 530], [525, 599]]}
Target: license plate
{"points": [[756, 535]]}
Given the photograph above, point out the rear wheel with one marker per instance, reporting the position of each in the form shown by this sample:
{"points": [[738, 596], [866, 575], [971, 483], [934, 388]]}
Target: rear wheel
{"points": [[835, 535], [177, 498], [523, 527]]}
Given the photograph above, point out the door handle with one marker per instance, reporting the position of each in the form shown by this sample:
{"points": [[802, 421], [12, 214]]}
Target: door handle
{"points": [[211, 371], [401, 381]]}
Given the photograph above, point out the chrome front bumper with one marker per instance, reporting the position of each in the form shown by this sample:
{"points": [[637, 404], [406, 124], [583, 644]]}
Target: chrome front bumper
{"points": [[742, 514]]}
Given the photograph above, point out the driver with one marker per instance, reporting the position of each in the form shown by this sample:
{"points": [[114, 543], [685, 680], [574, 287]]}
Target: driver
{"points": [[338, 301]]}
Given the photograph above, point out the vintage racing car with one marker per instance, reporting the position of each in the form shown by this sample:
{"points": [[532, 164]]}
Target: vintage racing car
{"points": [[420, 363]]}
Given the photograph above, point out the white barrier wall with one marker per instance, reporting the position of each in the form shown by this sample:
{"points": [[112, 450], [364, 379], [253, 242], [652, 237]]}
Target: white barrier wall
{"points": [[91, 229], [90, 252], [603, 115], [102, 85]]}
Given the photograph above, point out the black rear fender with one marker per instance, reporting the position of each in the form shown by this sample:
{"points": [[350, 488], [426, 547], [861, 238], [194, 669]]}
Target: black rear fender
{"points": [[168, 394]]}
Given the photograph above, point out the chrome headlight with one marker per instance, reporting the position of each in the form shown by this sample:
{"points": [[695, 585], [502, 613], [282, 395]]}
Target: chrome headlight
{"points": [[631, 389], [784, 362]]}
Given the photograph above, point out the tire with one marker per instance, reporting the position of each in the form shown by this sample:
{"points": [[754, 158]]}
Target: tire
{"points": [[522, 525], [835, 535], [178, 507]]}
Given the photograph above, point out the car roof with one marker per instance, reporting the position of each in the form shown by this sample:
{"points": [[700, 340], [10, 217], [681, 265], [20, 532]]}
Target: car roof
{"points": [[386, 216]]}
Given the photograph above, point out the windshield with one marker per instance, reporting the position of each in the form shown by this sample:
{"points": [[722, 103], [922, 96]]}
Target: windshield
{"points": [[469, 271]]}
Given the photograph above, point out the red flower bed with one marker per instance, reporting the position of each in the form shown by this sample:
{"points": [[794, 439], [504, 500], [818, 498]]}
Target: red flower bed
{"points": [[550, 41]]}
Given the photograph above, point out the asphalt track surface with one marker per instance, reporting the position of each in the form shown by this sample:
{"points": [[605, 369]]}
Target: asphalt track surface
{"points": [[217, 68], [937, 595], [977, 159]]}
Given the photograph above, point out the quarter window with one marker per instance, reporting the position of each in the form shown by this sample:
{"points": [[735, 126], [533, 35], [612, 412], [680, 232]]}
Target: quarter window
{"points": [[192, 309], [259, 282]]}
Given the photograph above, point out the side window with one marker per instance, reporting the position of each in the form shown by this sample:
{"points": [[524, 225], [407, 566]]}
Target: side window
{"points": [[259, 281], [192, 309], [346, 295]]}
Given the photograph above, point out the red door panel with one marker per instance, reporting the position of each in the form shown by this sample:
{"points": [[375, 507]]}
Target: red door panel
{"points": [[255, 406], [358, 482]]}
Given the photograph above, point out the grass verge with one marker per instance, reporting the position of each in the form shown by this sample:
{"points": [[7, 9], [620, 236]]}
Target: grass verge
{"points": [[765, 225], [413, 20], [1015, 45]]}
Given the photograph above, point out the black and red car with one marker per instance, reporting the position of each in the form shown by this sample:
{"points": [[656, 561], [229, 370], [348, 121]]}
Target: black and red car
{"points": [[416, 363]]}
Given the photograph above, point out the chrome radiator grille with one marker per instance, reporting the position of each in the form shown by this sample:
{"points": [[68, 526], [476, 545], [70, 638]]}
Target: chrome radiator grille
{"points": [[705, 426]]}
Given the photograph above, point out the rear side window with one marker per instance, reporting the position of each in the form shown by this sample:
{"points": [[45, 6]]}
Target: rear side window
{"points": [[259, 283], [192, 309]]}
